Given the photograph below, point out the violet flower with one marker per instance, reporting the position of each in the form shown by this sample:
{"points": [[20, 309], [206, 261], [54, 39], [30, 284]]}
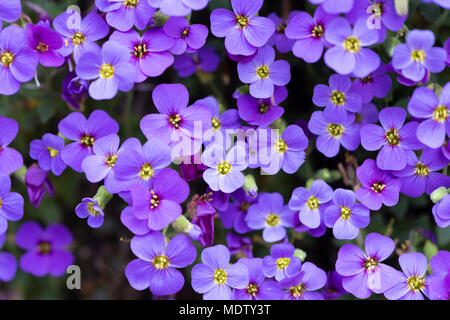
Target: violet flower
{"points": [[38, 184], [48, 153]]}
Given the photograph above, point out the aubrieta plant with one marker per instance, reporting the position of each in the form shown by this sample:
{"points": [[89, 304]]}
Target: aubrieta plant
{"points": [[226, 150]]}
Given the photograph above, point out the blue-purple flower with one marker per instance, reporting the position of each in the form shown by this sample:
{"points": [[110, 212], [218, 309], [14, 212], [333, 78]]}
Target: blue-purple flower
{"points": [[47, 152], [281, 263], [303, 286]]}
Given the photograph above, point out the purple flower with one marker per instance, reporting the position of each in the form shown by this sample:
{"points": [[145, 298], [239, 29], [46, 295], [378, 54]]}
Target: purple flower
{"points": [[243, 30], [259, 288], [262, 112], [375, 84], [439, 281], [224, 172], [270, 214], [141, 164], [311, 202], [303, 285], [178, 7], [333, 131], [48, 153], [123, 15], [191, 167], [419, 176], [394, 138], [285, 152], [313, 232], [263, 73], [80, 34], [349, 54], [186, 37], [205, 222], [410, 284], [160, 206], [11, 204], [10, 10], [377, 186], [84, 132], [109, 69], [46, 249], [177, 125], [309, 34], [363, 271], [45, 43], [18, 62], [335, 6], [441, 212], [8, 264], [281, 263], [333, 289], [425, 105], [239, 245], [90, 208], [37, 183], [418, 55], [234, 216], [339, 97], [74, 90], [379, 14], [367, 114], [10, 159], [279, 38], [345, 216], [157, 263], [405, 81], [204, 59], [149, 53], [215, 277]]}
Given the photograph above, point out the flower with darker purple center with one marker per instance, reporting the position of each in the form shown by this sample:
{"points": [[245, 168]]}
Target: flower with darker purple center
{"points": [[377, 186], [234, 216], [279, 39], [243, 30], [363, 271], [376, 84], [158, 261], [84, 132], [394, 138], [45, 43]]}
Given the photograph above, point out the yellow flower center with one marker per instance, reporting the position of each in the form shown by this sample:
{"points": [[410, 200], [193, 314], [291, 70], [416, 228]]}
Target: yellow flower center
{"points": [[53, 152], [244, 206], [185, 33], [220, 276], [91, 209], [418, 55], [78, 38], [224, 167], [377, 9], [338, 98], [106, 71], [345, 213], [358, 117], [242, 21], [263, 107], [44, 248], [313, 203], [154, 202], [262, 71], [317, 31], [252, 289], [140, 51], [366, 79], [146, 171], [130, 3], [161, 262], [87, 140], [111, 160], [283, 263], [42, 47], [378, 187], [1, 203], [392, 137], [215, 123], [6, 59], [421, 170], [440, 114], [281, 27], [335, 130], [175, 120], [415, 283], [370, 264], [281, 146], [352, 44], [297, 291], [272, 220]]}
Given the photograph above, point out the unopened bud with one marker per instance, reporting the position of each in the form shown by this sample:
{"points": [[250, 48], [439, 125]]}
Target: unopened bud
{"points": [[250, 187], [438, 194]]}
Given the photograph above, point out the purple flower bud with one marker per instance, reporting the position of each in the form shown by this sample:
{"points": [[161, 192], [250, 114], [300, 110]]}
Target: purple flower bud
{"points": [[37, 184]]}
